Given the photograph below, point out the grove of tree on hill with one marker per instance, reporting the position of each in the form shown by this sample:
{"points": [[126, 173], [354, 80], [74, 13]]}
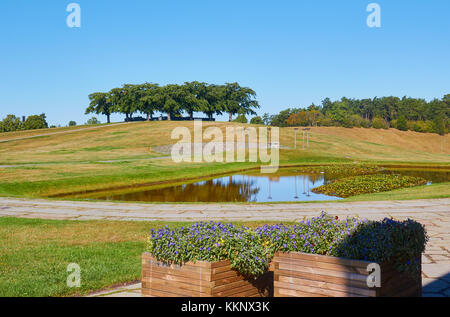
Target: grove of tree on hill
{"points": [[381, 113], [174, 99]]}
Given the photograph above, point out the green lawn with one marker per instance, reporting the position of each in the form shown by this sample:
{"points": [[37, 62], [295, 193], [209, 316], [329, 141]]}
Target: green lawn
{"points": [[440, 190], [119, 155], [34, 254]]}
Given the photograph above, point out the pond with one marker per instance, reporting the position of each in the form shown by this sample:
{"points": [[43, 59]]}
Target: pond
{"points": [[286, 185]]}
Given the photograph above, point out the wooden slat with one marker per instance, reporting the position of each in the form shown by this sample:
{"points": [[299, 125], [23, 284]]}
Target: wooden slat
{"points": [[228, 286], [322, 258], [175, 278], [400, 284], [172, 289], [315, 290], [323, 265], [206, 275], [195, 279], [191, 268], [250, 293], [158, 293], [362, 291], [281, 292], [204, 264], [300, 274], [220, 269], [313, 271], [318, 277], [185, 286], [223, 275], [276, 293], [235, 290], [226, 280]]}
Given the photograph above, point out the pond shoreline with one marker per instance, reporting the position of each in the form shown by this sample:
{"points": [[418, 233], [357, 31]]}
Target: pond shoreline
{"points": [[120, 190]]}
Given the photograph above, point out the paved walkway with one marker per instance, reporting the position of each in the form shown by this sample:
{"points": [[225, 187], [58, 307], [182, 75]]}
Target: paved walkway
{"points": [[434, 213]]}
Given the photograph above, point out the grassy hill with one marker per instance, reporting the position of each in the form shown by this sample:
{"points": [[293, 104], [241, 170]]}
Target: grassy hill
{"points": [[49, 162]]}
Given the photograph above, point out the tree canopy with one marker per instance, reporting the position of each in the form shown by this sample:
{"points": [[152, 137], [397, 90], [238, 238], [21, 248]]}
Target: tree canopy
{"points": [[12, 123], [174, 100], [405, 113]]}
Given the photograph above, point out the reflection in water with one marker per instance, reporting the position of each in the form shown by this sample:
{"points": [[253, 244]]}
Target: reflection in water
{"points": [[290, 185], [235, 188]]}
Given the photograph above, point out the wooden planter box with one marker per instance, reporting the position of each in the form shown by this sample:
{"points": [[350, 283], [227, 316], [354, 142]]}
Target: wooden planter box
{"points": [[200, 279], [309, 275]]}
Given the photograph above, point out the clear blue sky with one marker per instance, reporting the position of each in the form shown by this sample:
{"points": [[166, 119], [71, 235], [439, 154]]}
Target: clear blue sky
{"points": [[292, 53]]}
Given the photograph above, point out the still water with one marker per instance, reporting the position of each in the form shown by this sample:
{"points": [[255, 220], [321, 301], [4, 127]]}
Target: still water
{"points": [[287, 185]]}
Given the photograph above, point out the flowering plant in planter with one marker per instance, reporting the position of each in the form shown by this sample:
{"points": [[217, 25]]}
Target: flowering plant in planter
{"points": [[401, 242], [250, 250], [211, 241]]}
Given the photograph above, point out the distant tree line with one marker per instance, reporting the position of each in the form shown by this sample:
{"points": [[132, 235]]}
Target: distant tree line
{"points": [[12, 123], [174, 100], [381, 113]]}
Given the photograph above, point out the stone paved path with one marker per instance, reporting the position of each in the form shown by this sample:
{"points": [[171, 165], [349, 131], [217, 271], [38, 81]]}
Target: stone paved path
{"points": [[434, 213]]}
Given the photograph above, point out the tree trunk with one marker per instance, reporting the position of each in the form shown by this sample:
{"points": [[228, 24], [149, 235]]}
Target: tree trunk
{"points": [[126, 116], [191, 115], [168, 116], [148, 116], [107, 118], [230, 116]]}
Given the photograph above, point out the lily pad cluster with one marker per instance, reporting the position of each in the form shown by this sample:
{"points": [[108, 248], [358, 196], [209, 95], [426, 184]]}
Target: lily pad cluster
{"points": [[250, 250], [342, 170], [365, 184]]}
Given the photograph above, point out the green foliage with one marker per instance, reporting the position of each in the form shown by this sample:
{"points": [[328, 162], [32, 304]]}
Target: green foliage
{"points": [[377, 112], [237, 99], [280, 120], [423, 126], [100, 103], [256, 120], [173, 99], [72, 123], [364, 184], [211, 242], [304, 117], [401, 242], [250, 251], [402, 124], [241, 119], [326, 122], [267, 119], [379, 123], [93, 120], [439, 124], [35, 122], [11, 123], [341, 170]]}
